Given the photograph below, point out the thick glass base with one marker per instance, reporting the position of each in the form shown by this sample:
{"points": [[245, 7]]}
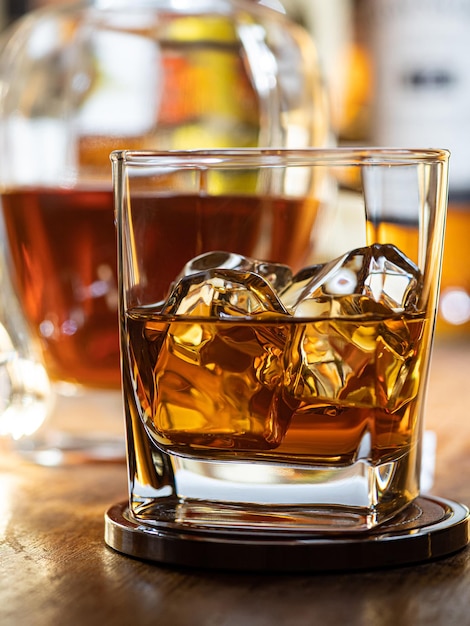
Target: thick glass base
{"points": [[246, 496]]}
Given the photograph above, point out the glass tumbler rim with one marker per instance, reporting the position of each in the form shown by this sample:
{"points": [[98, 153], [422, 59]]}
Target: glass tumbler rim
{"points": [[236, 157]]}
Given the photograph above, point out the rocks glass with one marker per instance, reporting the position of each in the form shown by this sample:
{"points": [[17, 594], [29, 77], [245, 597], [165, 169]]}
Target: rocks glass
{"points": [[276, 316]]}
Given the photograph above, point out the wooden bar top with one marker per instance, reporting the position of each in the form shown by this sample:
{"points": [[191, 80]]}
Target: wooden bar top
{"points": [[55, 568]]}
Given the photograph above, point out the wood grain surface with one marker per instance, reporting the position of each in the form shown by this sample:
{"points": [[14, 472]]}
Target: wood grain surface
{"points": [[57, 570]]}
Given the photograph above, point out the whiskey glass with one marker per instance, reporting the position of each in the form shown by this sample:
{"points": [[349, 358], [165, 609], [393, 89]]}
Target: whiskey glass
{"points": [[277, 311]]}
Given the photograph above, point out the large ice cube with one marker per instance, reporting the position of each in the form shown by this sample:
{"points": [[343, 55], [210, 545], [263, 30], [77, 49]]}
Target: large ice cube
{"points": [[223, 293], [218, 377], [357, 350], [219, 384], [373, 279], [356, 363]]}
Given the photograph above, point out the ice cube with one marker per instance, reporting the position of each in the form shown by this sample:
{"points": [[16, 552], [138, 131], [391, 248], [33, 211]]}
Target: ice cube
{"points": [[355, 363], [223, 293], [218, 376], [219, 384], [373, 279], [357, 350]]}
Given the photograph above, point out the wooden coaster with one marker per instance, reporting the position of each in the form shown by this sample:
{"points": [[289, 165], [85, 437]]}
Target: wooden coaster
{"points": [[429, 528]]}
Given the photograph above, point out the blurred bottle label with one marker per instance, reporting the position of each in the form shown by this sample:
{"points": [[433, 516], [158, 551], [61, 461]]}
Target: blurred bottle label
{"points": [[420, 51]]}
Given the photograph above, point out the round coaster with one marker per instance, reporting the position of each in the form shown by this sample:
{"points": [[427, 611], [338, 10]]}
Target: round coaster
{"points": [[428, 529]]}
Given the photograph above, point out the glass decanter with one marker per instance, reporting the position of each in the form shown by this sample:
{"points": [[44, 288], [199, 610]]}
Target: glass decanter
{"points": [[81, 80]]}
